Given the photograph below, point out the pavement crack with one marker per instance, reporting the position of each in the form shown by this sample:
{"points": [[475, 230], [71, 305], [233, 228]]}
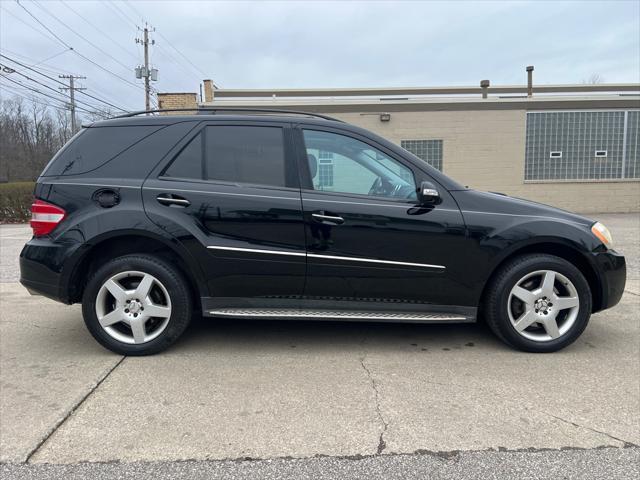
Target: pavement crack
{"points": [[73, 409], [625, 443], [382, 445], [632, 293], [577, 425]]}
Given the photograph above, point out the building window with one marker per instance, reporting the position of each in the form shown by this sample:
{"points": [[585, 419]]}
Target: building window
{"points": [[591, 145], [428, 150], [325, 176], [322, 155], [632, 145], [325, 170]]}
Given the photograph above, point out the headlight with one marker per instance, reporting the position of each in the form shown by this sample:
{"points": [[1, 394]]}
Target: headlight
{"points": [[603, 234]]}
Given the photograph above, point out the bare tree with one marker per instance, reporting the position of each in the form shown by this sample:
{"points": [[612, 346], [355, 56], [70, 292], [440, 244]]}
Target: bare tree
{"points": [[594, 79], [29, 137]]}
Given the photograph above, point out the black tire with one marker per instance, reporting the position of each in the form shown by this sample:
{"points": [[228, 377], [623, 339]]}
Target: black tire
{"points": [[495, 302], [172, 279]]}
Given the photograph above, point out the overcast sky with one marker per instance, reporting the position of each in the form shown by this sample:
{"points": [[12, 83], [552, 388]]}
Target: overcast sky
{"points": [[321, 44]]}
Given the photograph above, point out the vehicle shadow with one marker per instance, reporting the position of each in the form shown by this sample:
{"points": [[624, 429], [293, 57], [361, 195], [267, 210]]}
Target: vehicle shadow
{"points": [[310, 335]]}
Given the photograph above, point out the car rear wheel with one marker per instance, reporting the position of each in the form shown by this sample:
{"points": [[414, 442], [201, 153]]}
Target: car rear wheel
{"points": [[538, 303], [137, 305]]}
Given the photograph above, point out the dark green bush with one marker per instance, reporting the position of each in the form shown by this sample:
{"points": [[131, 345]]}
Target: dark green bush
{"points": [[15, 202]]}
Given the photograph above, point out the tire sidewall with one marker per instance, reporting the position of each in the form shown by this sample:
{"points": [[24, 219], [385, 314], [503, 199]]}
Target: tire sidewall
{"points": [[517, 271], [172, 280]]}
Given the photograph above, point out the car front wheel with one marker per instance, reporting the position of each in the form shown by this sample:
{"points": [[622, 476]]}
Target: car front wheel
{"points": [[137, 305], [538, 303]]}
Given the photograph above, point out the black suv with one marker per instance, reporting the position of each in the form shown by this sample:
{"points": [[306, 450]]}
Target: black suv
{"points": [[150, 220]]}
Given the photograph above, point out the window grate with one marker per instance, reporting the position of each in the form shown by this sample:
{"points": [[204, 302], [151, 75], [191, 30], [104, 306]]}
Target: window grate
{"points": [[587, 145], [428, 150], [632, 149], [325, 176]]}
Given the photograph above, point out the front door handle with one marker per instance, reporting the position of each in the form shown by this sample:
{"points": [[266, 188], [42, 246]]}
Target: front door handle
{"points": [[323, 218], [170, 200]]}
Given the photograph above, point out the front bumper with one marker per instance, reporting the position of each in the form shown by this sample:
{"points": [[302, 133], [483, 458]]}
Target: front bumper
{"points": [[612, 272]]}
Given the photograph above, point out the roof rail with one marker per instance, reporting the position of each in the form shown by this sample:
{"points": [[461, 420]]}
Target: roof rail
{"points": [[214, 110]]}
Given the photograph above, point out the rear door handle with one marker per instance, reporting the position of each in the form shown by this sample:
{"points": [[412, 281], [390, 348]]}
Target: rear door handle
{"points": [[322, 218], [170, 200]]}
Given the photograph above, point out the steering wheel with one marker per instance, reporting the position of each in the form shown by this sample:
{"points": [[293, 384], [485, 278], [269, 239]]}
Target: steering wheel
{"points": [[382, 188], [377, 188]]}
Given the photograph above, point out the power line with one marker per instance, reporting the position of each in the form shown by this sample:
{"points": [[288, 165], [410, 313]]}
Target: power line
{"points": [[183, 55], [31, 79], [49, 96], [32, 98], [110, 38], [50, 88], [64, 24], [63, 99], [78, 53], [159, 48], [58, 81], [197, 69], [134, 10], [44, 26], [35, 62], [57, 72], [121, 14], [27, 24]]}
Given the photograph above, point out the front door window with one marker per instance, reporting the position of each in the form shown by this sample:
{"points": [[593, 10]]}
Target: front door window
{"points": [[338, 163]]}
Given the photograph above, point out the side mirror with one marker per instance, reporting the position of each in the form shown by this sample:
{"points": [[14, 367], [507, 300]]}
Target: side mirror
{"points": [[428, 194]]}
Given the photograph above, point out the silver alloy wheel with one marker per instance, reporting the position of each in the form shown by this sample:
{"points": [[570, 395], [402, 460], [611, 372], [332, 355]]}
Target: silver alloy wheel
{"points": [[133, 307], [543, 305]]}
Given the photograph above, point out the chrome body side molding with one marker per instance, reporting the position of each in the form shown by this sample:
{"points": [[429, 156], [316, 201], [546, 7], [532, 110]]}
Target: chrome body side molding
{"points": [[327, 257], [257, 250]]}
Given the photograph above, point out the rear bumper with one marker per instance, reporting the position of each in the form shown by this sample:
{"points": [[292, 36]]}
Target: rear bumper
{"points": [[48, 287], [612, 270], [41, 268]]}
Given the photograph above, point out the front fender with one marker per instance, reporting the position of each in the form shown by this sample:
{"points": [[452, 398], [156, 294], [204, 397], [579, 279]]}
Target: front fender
{"points": [[507, 240]]}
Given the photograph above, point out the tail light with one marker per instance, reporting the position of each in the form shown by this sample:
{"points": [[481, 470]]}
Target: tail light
{"points": [[45, 217]]}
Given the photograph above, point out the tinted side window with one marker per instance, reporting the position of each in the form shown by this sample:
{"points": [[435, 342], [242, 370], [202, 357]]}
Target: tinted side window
{"points": [[188, 163], [245, 155], [94, 147]]}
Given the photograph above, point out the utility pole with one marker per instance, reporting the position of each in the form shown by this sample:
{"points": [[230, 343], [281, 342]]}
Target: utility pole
{"points": [[72, 101], [144, 71]]}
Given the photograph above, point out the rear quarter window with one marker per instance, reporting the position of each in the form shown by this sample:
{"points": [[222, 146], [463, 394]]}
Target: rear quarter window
{"points": [[95, 146]]}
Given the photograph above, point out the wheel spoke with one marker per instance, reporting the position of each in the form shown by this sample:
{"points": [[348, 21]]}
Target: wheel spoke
{"points": [[523, 294], [133, 307], [547, 283], [144, 287], [116, 290], [551, 327], [157, 311], [111, 318], [526, 320], [137, 328], [566, 302]]}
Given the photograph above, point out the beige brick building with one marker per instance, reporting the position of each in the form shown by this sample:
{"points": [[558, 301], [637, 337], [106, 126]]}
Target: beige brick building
{"points": [[573, 146], [172, 101]]}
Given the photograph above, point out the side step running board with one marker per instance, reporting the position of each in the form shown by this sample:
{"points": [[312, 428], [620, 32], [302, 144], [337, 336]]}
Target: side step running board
{"points": [[416, 317]]}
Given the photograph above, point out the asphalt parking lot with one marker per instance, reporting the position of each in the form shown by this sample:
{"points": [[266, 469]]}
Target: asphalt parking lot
{"points": [[282, 399]]}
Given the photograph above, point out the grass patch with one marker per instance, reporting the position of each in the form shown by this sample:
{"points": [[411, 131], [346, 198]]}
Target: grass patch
{"points": [[15, 202]]}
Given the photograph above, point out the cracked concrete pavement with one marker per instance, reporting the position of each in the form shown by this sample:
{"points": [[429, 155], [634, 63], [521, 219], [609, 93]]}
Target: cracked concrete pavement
{"points": [[293, 391], [384, 424]]}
